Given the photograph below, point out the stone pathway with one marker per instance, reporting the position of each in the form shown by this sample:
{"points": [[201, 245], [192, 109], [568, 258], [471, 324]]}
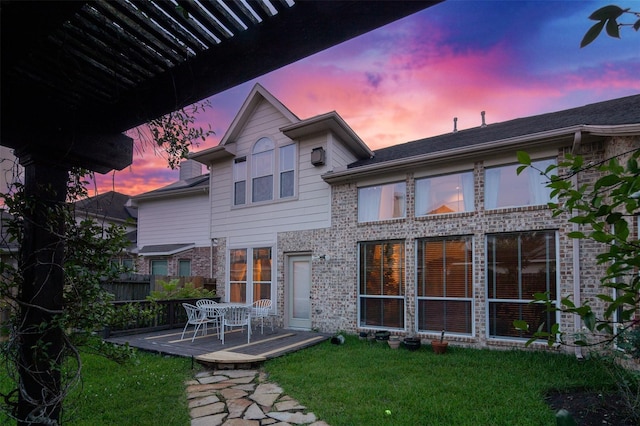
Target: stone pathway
{"points": [[242, 398]]}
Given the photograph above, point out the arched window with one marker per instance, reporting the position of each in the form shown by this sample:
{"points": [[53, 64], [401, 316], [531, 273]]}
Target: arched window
{"points": [[262, 170]]}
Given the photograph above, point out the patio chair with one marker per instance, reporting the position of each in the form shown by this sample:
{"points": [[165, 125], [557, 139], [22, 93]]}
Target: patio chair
{"points": [[261, 309], [197, 318], [213, 313], [237, 316]]}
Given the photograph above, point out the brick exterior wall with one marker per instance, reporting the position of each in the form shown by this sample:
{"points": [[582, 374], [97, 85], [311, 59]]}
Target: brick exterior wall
{"points": [[334, 288], [339, 302], [199, 257]]}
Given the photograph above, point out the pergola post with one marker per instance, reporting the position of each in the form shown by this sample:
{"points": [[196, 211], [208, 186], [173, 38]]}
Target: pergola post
{"points": [[41, 293]]}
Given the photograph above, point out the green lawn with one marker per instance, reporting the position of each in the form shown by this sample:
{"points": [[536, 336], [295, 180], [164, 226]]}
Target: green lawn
{"points": [[351, 384], [356, 383], [149, 390]]}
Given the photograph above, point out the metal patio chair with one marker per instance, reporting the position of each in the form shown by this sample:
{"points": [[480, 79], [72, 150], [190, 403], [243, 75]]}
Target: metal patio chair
{"points": [[237, 316], [261, 309], [197, 318], [213, 312]]}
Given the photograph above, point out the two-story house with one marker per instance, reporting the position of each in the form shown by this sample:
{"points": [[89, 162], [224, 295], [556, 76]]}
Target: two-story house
{"points": [[435, 234]]}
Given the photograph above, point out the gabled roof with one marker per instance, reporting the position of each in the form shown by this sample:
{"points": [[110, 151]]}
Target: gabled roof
{"points": [[226, 147], [257, 95], [110, 205], [181, 187], [330, 121], [617, 116]]}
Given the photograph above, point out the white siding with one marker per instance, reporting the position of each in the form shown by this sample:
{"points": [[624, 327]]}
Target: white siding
{"points": [[340, 156], [180, 220], [309, 209]]}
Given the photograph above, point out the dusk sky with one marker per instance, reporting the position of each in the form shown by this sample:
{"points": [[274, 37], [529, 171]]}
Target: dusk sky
{"points": [[409, 79]]}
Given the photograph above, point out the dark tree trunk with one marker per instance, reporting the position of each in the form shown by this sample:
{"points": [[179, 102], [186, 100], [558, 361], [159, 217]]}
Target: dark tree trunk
{"points": [[40, 339]]}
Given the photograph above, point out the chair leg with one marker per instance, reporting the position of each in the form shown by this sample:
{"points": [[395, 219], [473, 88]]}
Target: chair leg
{"points": [[195, 331], [184, 330]]}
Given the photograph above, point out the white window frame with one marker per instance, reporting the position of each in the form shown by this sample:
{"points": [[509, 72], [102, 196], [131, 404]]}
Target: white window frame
{"points": [[521, 300], [530, 178], [469, 299], [462, 203], [260, 171], [284, 169], [383, 297], [371, 206], [249, 282], [240, 176]]}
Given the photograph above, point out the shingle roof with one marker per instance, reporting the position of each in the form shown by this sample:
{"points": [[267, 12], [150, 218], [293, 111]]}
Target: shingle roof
{"points": [[614, 112], [164, 249], [111, 204], [201, 181]]}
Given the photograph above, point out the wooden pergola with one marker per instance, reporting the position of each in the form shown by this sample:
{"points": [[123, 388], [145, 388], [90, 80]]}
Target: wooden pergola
{"points": [[77, 74]]}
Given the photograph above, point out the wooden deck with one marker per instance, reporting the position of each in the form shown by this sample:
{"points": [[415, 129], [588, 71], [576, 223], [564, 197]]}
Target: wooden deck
{"points": [[235, 353]]}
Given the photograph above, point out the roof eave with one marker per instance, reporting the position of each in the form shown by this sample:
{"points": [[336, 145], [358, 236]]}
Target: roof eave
{"points": [[547, 138], [170, 193], [330, 121], [219, 152]]}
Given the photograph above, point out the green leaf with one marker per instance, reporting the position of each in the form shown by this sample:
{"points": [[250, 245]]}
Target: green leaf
{"points": [[592, 34], [607, 12], [521, 325], [613, 29], [523, 158], [576, 234], [607, 180], [589, 320]]}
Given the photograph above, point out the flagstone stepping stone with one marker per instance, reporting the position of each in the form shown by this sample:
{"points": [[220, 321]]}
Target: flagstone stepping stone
{"points": [[294, 418], [207, 410], [254, 412]]}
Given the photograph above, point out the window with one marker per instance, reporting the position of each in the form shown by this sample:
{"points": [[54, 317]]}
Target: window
{"points": [[381, 202], [262, 170], [184, 268], [127, 263], [444, 194], [445, 285], [248, 285], [505, 188], [238, 275], [381, 284], [261, 273], [159, 267], [287, 170], [518, 266], [239, 181]]}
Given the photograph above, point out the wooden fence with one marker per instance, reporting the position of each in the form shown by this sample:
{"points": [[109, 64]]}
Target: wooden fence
{"points": [[138, 287]]}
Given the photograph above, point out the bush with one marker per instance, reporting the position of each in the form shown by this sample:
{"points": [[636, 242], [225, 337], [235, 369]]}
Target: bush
{"points": [[171, 290]]}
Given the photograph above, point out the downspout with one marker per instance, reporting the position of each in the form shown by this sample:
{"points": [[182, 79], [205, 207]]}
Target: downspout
{"points": [[577, 321], [210, 214]]}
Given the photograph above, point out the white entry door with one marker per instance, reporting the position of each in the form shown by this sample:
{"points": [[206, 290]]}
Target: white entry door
{"points": [[299, 292]]}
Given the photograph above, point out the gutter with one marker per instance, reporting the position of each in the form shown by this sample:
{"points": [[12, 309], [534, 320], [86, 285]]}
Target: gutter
{"points": [[533, 140], [171, 193]]}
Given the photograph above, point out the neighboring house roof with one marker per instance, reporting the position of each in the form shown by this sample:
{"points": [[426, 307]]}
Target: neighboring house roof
{"points": [[164, 249], [181, 187], [617, 116], [111, 205]]}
